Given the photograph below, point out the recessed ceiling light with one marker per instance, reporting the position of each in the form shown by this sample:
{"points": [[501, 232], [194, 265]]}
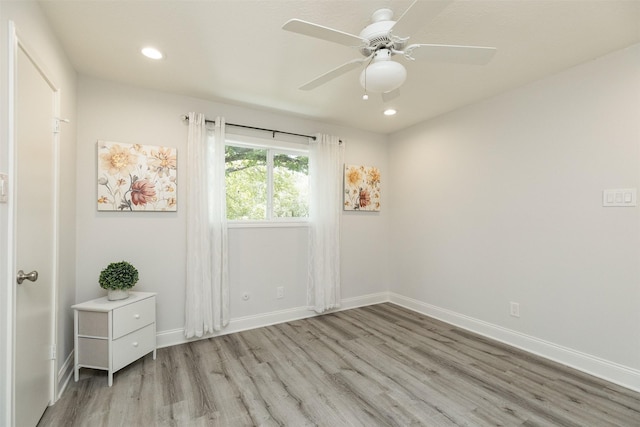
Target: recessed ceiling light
{"points": [[152, 52], [390, 112]]}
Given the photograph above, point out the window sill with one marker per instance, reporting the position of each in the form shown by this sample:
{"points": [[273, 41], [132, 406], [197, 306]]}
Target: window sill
{"points": [[267, 224]]}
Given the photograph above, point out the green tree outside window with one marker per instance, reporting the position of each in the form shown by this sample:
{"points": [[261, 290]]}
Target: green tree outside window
{"points": [[266, 183]]}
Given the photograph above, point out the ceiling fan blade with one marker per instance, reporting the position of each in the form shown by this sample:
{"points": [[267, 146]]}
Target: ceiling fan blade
{"points": [[330, 75], [475, 55], [420, 13], [324, 33], [388, 96]]}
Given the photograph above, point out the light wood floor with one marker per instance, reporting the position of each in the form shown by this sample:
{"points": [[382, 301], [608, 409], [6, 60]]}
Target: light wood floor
{"points": [[372, 366]]}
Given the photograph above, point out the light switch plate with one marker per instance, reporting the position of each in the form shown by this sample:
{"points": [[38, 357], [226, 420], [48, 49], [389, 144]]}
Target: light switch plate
{"points": [[4, 188], [620, 197]]}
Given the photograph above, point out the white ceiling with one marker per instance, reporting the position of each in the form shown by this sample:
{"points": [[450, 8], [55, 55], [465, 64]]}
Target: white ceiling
{"points": [[234, 51]]}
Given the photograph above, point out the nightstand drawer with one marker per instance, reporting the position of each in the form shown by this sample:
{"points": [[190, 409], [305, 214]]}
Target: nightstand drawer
{"points": [[93, 352], [133, 316], [93, 324], [133, 346]]}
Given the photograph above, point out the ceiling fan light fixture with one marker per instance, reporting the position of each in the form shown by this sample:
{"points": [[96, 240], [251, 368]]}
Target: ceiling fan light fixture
{"points": [[383, 75]]}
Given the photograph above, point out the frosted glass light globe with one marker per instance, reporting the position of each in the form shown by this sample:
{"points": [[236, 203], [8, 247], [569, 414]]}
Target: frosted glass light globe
{"points": [[383, 75]]}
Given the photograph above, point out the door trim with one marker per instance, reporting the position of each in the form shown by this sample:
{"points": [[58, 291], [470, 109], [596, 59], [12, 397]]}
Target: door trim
{"points": [[9, 384]]}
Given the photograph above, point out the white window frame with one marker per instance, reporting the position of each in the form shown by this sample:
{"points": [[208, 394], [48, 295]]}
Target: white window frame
{"points": [[272, 146]]}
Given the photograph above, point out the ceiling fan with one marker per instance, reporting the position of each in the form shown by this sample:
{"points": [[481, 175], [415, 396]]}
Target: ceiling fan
{"points": [[385, 38]]}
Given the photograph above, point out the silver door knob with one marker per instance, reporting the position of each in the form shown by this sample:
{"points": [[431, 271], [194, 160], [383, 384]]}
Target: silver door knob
{"points": [[22, 276]]}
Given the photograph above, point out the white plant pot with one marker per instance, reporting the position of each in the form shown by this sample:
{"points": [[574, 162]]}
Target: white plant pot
{"points": [[117, 294]]}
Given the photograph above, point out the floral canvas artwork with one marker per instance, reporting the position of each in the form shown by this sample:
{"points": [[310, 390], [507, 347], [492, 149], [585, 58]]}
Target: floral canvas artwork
{"points": [[361, 188], [134, 177]]}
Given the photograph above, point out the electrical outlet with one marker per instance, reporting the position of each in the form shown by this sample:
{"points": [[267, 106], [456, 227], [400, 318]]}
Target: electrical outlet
{"points": [[280, 292], [514, 309]]}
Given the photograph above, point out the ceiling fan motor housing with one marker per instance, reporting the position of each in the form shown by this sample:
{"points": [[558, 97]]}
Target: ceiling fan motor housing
{"points": [[378, 32]]}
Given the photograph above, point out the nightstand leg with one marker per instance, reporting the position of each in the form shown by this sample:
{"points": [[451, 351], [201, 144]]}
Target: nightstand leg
{"points": [[76, 356], [110, 378], [154, 354]]}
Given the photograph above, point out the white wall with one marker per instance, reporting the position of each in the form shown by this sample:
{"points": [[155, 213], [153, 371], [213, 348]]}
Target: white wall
{"points": [[34, 32], [502, 201], [260, 258]]}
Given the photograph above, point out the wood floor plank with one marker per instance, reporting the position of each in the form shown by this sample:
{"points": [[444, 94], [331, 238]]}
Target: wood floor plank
{"points": [[379, 365], [334, 400]]}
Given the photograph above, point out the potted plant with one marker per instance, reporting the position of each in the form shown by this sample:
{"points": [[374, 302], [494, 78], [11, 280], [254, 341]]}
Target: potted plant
{"points": [[117, 279]]}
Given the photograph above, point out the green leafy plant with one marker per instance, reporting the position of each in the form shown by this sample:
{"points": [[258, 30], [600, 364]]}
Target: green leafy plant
{"points": [[118, 275]]}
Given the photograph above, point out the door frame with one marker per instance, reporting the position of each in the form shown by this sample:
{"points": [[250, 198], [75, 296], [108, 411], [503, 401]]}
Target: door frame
{"points": [[9, 279], [16, 43]]}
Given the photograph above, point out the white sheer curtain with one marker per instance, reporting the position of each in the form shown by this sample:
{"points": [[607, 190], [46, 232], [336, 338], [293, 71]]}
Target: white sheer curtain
{"points": [[207, 286], [326, 157]]}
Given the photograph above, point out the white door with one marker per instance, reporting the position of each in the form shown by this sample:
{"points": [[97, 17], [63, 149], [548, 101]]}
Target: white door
{"points": [[35, 103]]}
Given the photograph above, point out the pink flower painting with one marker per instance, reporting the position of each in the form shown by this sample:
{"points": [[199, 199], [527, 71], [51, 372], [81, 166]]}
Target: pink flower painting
{"points": [[361, 188], [134, 177]]}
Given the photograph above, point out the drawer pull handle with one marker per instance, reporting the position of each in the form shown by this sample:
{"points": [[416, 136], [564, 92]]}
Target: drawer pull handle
{"points": [[135, 344], [137, 316]]}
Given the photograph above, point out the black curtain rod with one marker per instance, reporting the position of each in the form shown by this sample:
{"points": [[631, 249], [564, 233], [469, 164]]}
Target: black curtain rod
{"points": [[273, 131]]}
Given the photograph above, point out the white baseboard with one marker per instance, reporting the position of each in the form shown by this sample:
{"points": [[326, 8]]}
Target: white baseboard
{"points": [[176, 336], [64, 375], [610, 371], [362, 301]]}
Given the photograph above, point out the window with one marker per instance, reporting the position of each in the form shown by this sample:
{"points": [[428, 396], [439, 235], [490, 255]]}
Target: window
{"points": [[266, 183]]}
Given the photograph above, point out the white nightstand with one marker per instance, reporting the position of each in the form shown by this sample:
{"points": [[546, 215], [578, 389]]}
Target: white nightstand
{"points": [[110, 335]]}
